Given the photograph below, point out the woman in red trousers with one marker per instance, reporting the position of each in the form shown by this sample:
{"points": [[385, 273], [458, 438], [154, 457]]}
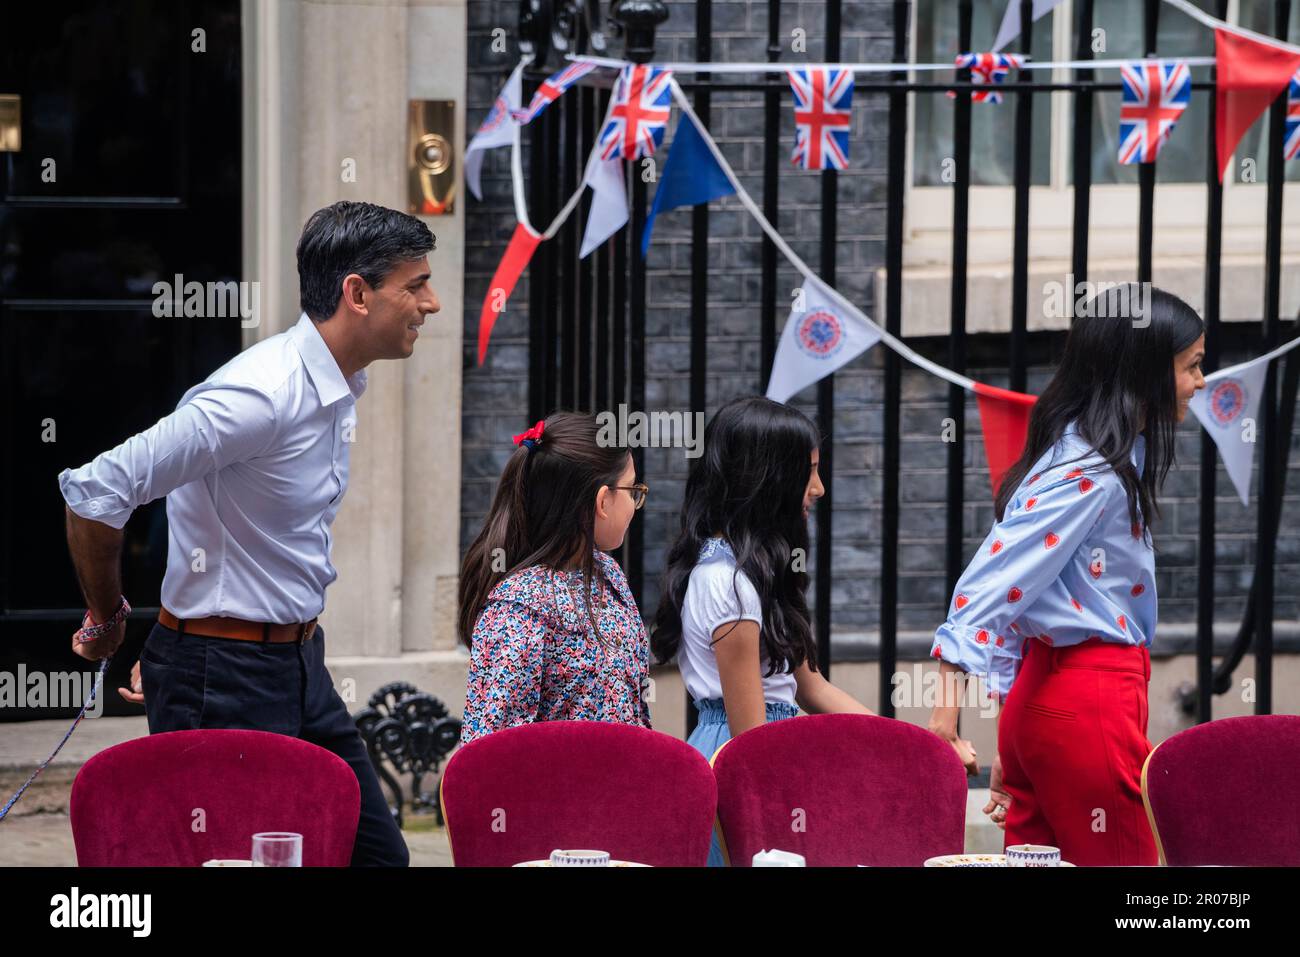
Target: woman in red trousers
{"points": [[1057, 610]]}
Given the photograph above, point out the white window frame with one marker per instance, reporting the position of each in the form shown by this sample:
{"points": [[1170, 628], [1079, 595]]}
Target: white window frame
{"points": [[1178, 245]]}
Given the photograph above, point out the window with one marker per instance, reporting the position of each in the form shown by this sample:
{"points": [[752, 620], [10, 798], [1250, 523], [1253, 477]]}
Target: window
{"points": [[1182, 160], [1055, 38], [1180, 198], [992, 127]]}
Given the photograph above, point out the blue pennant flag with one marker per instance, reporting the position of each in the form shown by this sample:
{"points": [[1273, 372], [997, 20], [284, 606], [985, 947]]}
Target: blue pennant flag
{"points": [[691, 176]]}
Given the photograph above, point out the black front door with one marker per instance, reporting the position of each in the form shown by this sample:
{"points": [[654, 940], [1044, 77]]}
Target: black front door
{"points": [[128, 174]]}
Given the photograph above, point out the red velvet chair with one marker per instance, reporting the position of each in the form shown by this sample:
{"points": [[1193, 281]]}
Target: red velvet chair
{"points": [[517, 794], [842, 790], [134, 804], [1227, 792]]}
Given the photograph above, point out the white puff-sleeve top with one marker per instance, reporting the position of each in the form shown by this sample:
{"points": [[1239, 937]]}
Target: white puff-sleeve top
{"points": [[717, 593]]}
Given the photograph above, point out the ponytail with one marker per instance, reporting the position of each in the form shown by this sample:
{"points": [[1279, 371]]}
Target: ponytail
{"points": [[543, 511], [503, 534]]}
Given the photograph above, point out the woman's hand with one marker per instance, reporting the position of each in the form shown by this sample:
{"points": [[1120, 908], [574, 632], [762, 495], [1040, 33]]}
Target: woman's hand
{"points": [[999, 798]]}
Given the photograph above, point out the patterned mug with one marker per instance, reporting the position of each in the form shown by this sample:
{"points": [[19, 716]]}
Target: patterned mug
{"points": [[1033, 855], [579, 858]]}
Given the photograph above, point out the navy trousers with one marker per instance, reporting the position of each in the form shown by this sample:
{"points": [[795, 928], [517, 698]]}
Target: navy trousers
{"points": [[192, 681]]}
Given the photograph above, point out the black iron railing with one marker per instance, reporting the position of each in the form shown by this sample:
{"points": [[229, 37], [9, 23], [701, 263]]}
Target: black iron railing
{"points": [[588, 317]]}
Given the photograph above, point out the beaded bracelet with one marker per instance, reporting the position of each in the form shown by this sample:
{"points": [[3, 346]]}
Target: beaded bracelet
{"points": [[90, 631]]}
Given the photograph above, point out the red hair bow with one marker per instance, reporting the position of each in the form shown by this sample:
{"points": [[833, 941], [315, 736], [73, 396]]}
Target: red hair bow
{"points": [[532, 435]]}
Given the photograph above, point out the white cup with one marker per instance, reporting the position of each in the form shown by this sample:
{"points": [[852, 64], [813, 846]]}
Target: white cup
{"points": [[776, 858], [584, 858], [1033, 855]]}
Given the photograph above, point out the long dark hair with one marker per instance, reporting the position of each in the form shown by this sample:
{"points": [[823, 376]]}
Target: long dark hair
{"points": [[748, 486], [543, 512], [1116, 380]]}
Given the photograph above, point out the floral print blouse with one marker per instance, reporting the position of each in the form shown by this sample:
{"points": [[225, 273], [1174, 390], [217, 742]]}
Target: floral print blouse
{"points": [[534, 656]]}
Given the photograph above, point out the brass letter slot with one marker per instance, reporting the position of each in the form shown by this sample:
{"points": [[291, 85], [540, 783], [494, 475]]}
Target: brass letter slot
{"points": [[430, 159], [11, 123]]}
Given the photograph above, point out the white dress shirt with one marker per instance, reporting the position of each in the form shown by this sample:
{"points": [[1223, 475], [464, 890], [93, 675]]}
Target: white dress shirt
{"points": [[254, 464]]}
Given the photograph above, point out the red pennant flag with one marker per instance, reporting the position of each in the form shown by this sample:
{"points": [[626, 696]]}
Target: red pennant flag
{"points": [[1004, 417], [511, 267], [1250, 76]]}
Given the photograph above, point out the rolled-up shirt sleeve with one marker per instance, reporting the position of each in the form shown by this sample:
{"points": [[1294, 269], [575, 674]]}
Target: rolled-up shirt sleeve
{"points": [[1022, 555], [213, 429]]}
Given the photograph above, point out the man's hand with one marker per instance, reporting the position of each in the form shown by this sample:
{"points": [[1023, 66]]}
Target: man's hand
{"points": [[101, 647], [136, 694], [999, 798], [95, 549]]}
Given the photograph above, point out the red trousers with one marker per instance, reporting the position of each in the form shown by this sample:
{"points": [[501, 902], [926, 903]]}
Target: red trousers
{"points": [[1073, 737]]}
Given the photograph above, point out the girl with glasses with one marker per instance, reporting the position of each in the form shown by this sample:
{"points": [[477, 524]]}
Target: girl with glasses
{"points": [[553, 630]]}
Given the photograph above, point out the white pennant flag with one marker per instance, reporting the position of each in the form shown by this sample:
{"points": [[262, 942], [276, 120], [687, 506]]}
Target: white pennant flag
{"points": [[608, 201], [1010, 28], [498, 129], [1228, 408], [819, 337]]}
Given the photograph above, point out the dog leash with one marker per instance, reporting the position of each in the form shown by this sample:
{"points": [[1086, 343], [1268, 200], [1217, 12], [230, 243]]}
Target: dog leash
{"points": [[99, 681]]}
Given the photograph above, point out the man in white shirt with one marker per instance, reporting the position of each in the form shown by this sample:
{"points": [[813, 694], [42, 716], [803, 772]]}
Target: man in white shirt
{"points": [[254, 464]]}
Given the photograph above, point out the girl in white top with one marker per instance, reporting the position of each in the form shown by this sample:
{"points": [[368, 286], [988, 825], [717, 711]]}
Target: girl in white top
{"points": [[733, 612], [719, 593]]}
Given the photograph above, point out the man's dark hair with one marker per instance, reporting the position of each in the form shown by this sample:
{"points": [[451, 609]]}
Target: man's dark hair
{"points": [[359, 238]]}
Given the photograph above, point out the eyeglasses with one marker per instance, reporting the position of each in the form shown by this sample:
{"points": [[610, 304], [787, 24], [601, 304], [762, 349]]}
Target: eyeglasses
{"points": [[639, 492]]}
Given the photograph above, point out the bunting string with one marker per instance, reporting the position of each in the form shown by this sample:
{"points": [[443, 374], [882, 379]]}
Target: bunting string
{"points": [[1214, 23], [747, 201], [785, 67], [829, 330]]}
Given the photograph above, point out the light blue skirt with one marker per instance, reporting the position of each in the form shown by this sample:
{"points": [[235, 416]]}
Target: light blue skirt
{"points": [[713, 732]]}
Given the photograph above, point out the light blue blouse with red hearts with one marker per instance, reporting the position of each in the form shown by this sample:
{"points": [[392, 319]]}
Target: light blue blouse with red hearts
{"points": [[1065, 564]]}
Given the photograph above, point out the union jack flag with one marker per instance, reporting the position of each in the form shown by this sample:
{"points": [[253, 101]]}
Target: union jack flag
{"points": [[638, 113], [1155, 95], [1293, 117], [552, 89], [989, 69], [823, 100]]}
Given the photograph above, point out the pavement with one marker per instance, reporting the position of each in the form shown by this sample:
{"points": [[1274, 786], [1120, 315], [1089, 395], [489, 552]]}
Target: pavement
{"points": [[37, 833]]}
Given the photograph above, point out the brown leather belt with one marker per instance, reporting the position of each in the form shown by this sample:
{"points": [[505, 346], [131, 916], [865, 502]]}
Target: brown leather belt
{"points": [[239, 629]]}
